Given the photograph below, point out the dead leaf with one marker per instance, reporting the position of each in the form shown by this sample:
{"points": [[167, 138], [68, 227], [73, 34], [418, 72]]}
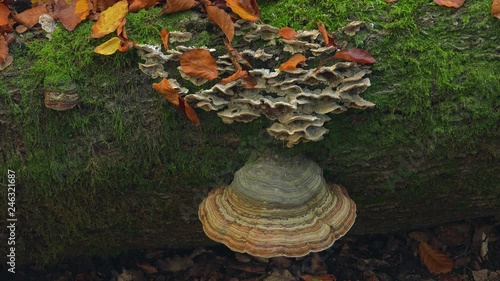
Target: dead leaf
{"points": [[109, 47], [30, 17], [7, 63], [246, 9], [174, 6], [222, 19], [120, 30], [324, 277], [4, 14], [137, 5], [329, 40], [164, 38], [148, 268], [110, 19], [292, 62], [287, 33], [355, 55], [450, 3], [71, 14], [199, 63], [236, 58], [4, 49], [495, 9], [240, 74], [102, 5], [435, 261], [172, 95]]}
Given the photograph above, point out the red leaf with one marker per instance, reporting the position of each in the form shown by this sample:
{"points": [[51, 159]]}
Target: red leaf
{"points": [[222, 19], [435, 261], [450, 3], [292, 62], [172, 95], [329, 40], [174, 6], [246, 9], [164, 34], [287, 33], [355, 55], [199, 63]]}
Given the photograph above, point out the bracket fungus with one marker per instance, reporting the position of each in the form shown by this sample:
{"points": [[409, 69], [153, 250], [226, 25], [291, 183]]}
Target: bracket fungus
{"points": [[278, 206]]}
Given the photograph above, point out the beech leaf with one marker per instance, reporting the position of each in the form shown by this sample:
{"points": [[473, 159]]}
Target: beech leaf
{"points": [[137, 5], [109, 47], [164, 34], [30, 17], [324, 277], [240, 74], [199, 63], [355, 55], [329, 40], [495, 9], [71, 14], [450, 3], [292, 62], [174, 6], [287, 33], [4, 15], [110, 19], [435, 261], [222, 19], [4, 49], [172, 95], [246, 9]]}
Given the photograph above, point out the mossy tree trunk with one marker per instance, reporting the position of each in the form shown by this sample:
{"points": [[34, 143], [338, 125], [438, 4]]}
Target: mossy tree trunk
{"points": [[124, 168]]}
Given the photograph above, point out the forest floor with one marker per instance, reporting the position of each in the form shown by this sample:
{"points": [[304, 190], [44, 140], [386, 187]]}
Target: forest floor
{"points": [[470, 249]]}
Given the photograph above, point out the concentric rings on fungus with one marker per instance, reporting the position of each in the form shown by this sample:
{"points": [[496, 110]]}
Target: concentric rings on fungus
{"points": [[278, 207]]}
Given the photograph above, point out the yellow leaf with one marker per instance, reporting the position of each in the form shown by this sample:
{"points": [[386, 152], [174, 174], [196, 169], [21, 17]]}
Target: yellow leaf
{"points": [[110, 19], [109, 47], [247, 10], [435, 261]]}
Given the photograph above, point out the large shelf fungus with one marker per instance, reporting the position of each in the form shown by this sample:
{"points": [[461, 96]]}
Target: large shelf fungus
{"points": [[278, 206], [297, 99]]}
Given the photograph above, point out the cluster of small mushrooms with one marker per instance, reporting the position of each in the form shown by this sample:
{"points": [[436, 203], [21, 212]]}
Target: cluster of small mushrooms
{"points": [[298, 100], [278, 206]]}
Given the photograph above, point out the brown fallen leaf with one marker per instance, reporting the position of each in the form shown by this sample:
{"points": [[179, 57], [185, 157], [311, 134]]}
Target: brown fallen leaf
{"points": [[435, 261], [329, 40], [172, 95], [72, 13], [148, 268], [495, 9], [30, 17], [164, 34], [174, 6], [450, 3], [4, 15], [4, 49], [240, 74], [110, 19], [246, 9], [236, 58], [324, 277], [287, 33], [292, 62], [222, 19], [137, 5], [355, 55], [199, 63]]}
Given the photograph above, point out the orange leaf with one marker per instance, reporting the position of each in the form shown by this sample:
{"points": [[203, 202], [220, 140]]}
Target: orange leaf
{"points": [[167, 91], [435, 261], [495, 9], [109, 47], [102, 5], [71, 14], [292, 63], [164, 38], [4, 14], [120, 30], [246, 9], [450, 3], [222, 19], [329, 40], [110, 19], [199, 63], [324, 277], [30, 17], [355, 55], [4, 49], [240, 74], [174, 6], [137, 5], [236, 58], [172, 95], [287, 33]]}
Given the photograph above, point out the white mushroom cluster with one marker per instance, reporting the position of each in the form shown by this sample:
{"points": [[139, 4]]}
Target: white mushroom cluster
{"points": [[298, 100]]}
